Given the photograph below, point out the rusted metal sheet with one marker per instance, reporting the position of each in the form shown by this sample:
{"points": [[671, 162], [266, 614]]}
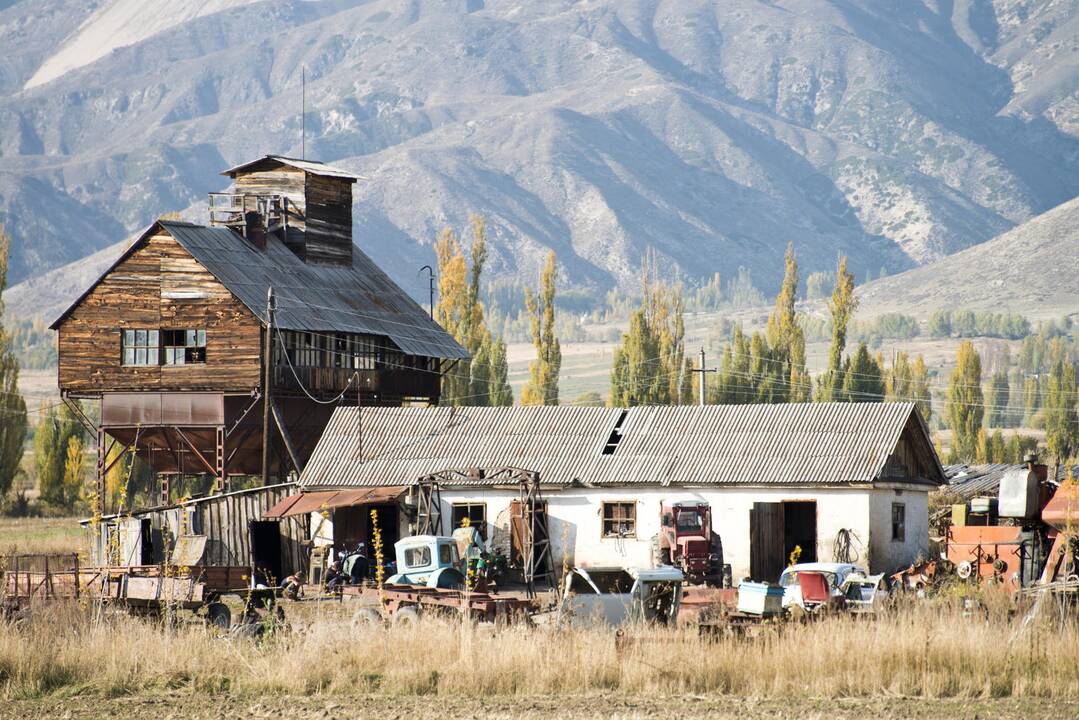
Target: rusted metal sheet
{"points": [[146, 409], [303, 503]]}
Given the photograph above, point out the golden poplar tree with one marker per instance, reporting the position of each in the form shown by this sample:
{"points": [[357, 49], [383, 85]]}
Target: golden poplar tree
{"points": [[12, 405], [542, 386], [965, 406], [842, 307], [786, 339]]}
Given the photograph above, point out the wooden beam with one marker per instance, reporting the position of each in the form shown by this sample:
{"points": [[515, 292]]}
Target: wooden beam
{"points": [[289, 446]]}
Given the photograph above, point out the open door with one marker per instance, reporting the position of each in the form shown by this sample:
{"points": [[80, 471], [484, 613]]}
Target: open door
{"points": [[800, 529], [266, 548], [766, 560]]}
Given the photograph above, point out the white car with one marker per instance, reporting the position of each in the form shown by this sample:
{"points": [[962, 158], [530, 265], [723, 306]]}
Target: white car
{"points": [[835, 575], [636, 594]]}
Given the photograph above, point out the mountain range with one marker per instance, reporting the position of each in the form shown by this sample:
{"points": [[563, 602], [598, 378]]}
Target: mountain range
{"points": [[713, 133]]}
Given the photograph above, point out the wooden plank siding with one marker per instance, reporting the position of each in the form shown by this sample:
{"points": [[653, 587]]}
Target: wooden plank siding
{"points": [[159, 286], [329, 220], [288, 182]]}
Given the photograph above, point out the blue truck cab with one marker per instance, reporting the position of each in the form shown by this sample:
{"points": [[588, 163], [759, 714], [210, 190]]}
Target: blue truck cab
{"points": [[429, 561]]}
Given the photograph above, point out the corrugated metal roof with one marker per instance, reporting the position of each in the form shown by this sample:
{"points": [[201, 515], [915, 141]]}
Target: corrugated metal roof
{"points": [[312, 166], [316, 298], [796, 444]]}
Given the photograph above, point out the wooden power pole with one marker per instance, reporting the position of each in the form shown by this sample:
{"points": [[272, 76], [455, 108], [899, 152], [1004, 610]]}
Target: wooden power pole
{"points": [[267, 381]]}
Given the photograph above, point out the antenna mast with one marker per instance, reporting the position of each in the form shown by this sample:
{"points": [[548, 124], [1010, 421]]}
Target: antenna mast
{"points": [[303, 112]]}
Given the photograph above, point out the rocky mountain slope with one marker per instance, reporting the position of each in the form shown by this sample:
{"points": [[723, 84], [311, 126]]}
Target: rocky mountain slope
{"points": [[1032, 269], [715, 133]]}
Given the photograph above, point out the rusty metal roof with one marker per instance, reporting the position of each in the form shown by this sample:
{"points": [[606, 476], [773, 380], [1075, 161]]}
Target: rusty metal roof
{"points": [[310, 297], [796, 444], [312, 166]]}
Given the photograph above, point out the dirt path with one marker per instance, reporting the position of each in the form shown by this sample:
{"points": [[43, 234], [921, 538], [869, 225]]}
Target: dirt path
{"points": [[185, 706]]}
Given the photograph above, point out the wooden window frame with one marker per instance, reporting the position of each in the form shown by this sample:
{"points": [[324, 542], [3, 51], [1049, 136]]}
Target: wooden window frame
{"points": [[150, 345], [606, 518], [480, 524], [188, 345], [899, 522]]}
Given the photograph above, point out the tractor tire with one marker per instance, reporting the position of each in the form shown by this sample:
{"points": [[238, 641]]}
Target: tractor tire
{"points": [[406, 617], [366, 618], [219, 616]]}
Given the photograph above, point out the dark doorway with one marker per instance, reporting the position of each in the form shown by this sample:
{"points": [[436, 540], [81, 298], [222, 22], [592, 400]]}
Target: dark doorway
{"points": [[388, 525], [266, 549], [800, 530], [775, 529], [349, 528], [766, 530], [146, 538]]}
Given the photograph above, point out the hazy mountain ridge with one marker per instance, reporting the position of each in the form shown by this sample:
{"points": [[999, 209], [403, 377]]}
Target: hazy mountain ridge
{"points": [[714, 134], [1032, 269]]}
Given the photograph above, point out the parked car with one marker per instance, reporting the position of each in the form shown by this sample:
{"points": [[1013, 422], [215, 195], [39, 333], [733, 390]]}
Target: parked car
{"points": [[865, 593], [623, 596], [823, 582]]}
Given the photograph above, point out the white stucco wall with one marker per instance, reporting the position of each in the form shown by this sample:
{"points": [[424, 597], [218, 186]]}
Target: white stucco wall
{"points": [[574, 517], [888, 554], [575, 521]]}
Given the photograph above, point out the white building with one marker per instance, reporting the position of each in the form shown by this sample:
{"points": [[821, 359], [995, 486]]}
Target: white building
{"points": [[813, 475]]}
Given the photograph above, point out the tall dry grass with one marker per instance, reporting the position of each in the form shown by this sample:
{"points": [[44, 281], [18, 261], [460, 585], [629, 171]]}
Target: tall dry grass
{"points": [[930, 651]]}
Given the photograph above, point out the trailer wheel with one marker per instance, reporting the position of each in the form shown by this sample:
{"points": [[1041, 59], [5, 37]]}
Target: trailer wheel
{"points": [[366, 617], [407, 616], [219, 616]]}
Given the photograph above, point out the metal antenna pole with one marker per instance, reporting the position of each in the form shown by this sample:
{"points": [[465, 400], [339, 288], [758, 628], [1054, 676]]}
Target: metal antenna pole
{"points": [[271, 304], [303, 112], [430, 289]]}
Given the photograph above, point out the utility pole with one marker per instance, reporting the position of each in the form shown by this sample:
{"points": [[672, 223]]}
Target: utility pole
{"points": [[702, 370], [430, 289], [267, 379]]}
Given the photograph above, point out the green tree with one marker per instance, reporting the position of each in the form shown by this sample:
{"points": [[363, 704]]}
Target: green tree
{"points": [[649, 363], [1061, 419], [841, 307], [542, 386], [1032, 399], [12, 405], [996, 415], [920, 392], [51, 441], [786, 339], [965, 402], [864, 380], [481, 380]]}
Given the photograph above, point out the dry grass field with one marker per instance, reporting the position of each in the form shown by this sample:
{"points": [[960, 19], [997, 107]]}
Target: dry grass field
{"points": [[41, 535], [926, 660]]}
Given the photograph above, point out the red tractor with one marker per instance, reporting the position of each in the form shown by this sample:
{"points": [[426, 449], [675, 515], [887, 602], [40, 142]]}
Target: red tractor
{"points": [[686, 540]]}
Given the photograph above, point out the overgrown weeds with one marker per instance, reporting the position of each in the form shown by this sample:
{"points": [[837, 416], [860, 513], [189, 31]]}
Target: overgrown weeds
{"points": [[930, 650]]}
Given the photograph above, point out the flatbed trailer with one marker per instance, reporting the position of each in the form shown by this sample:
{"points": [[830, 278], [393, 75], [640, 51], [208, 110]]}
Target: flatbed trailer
{"points": [[37, 579], [481, 606]]}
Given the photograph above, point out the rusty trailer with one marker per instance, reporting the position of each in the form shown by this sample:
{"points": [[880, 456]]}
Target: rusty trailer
{"points": [[405, 603]]}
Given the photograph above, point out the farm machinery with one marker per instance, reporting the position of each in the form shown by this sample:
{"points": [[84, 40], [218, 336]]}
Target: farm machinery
{"points": [[687, 541]]}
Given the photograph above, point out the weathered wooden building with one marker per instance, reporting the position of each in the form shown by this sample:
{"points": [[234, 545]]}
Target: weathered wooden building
{"points": [[195, 371]]}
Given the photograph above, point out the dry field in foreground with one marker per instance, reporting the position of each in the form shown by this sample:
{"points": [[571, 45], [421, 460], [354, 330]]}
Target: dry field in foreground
{"points": [[929, 651]]}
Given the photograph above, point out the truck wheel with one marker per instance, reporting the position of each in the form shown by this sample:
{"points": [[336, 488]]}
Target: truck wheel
{"points": [[406, 617], [218, 616], [366, 617]]}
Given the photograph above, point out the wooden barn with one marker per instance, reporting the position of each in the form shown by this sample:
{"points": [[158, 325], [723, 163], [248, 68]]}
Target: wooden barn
{"points": [[198, 370]]}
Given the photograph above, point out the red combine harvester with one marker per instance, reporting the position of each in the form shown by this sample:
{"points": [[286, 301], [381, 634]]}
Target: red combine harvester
{"points": [[1019, 537], [687, 541]]}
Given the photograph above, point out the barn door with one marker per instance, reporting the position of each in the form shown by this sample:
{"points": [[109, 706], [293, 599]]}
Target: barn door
{"points": [[766, 559]]}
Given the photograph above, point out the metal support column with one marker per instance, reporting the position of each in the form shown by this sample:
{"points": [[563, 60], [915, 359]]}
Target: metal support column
{"points": [[221, 481], [102, 455], [537, 540], [428, 506]]}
